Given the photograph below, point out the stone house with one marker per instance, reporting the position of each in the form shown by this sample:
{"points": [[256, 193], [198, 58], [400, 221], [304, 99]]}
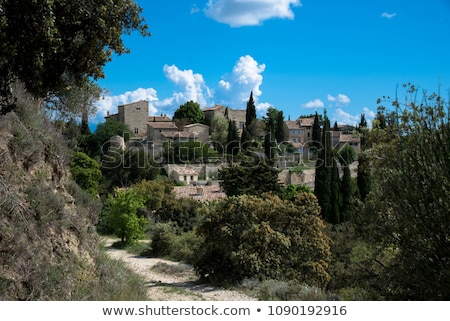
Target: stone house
{"points": [[299, 132], [155, 130], [200, 131], [135, 116], [238, 115], [184, 175]]}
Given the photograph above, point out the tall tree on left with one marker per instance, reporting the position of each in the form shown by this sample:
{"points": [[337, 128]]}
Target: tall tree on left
{"points": [[51, 45]]}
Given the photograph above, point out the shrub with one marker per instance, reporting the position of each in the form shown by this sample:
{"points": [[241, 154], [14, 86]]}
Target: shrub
{"points": [[168, 241], [265, 238]]}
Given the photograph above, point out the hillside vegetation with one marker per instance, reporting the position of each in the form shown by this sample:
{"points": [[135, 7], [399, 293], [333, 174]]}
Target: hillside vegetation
{"points": [[49, 247]]}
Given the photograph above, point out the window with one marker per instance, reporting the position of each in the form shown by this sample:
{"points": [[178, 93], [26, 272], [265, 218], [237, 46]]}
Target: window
{"points": [[192, 178], [185, 178], [136, 131]]}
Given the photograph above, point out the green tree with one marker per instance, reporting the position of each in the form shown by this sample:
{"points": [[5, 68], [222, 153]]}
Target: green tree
{"points": [[407, 212], [188, 113], [324, 163], [264, 237], [249, 178], [250, 112], [219, 132], [316, 134], [153, 192], [99, 141], [233, 140], [123, 215], [75, 102], [346, 157], [184, 212], [50, 45], [124, 168], [85, 172]]}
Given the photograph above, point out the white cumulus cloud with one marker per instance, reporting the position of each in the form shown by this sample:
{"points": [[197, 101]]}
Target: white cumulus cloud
{"points": [[109, 103], [343, 117], [192, 84], [246, 77], [316, 103], [388, 15], [340, 99], [238, 13]]}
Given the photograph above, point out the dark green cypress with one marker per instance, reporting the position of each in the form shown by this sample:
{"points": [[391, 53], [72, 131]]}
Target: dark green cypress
{"points": [[250, 112]]}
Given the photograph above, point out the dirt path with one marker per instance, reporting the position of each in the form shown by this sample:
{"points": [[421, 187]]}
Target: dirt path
{"points": [[175, 282]]}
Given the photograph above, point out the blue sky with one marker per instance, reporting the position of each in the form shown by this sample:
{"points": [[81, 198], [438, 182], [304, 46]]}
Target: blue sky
{"points": [[297, 56]]}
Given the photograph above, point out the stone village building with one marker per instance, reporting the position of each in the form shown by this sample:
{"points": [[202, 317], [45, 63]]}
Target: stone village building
{"points": [[154, 131]]}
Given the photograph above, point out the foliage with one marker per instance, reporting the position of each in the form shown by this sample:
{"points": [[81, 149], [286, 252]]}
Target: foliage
{"points": [[184, 212], [219, 132], [86, 172], [122, 215], [50, 45], [250, 111], [123, 168], [74, 102], [153, 192], [265, 238], [408, 208], [188, 113], [249, 178], [291, 191], [169, 241], [233, 140], [322, 184], [99, 142], [316, 134]]}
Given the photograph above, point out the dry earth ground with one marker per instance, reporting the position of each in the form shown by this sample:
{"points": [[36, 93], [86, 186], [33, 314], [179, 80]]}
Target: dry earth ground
{"points": [[177, 284]]}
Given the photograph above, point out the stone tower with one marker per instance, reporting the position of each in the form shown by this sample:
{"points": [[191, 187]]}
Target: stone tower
{"points": [[135, 115]]}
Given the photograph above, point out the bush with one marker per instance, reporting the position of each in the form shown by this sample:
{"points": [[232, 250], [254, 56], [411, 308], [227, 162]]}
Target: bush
{"points": [[185, 212], [265, 238], [168, 241]]}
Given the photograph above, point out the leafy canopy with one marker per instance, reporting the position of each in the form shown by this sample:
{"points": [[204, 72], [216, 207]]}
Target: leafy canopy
{"points": [[51, 45]]}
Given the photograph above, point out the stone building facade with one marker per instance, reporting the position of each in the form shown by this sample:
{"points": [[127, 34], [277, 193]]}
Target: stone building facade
{"points": [[238, 115], [135, 116]]}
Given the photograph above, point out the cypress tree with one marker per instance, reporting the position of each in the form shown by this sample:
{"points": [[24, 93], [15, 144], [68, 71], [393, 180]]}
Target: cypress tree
{"points": [[279, 130], [334, 214], [246, 138], [316, 135], [250, 112], [233, 138], [322, 188], [346, 157]]}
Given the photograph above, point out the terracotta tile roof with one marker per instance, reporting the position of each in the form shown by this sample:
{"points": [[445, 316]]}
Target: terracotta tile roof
{"points": [[292, 124], [178, 135], [162, 125], [210, 192], [213, 108], [348, 138], [306, 121], [159, 118]]}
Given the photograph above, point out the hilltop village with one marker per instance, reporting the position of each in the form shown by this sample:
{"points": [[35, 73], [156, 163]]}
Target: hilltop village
{"points": [[155, 132]]}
